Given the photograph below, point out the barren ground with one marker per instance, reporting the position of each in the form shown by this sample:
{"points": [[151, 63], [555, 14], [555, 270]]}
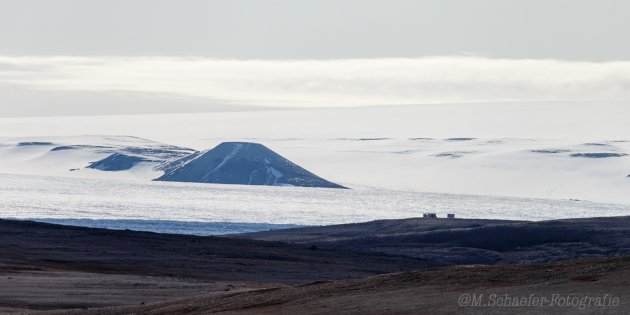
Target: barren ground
{"points": [[369, 268]]}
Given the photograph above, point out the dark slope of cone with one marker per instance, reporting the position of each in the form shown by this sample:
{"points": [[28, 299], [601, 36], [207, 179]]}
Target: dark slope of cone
{"points": [[241, 163]]}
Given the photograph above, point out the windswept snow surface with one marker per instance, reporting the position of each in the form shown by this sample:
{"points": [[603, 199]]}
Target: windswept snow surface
{"points": [[592, 170], [87, 156]]}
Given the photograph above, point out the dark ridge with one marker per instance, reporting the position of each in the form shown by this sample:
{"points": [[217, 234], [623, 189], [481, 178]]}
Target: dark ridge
{"points": [[131, 154], [600, 155], [551, 151], [421, 139], [362, 139], [161, 153], [597, 144], [372, 139], [34, 143], [460, 139], [453, 155], [117, 162], [78, 146], [449, 155], [157, 151]]}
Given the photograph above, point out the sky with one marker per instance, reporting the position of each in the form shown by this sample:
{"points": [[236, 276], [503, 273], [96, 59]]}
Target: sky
{"points": [[75, 57]]}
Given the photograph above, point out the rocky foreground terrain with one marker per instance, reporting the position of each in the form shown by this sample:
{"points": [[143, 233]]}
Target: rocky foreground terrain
{"points": [[469, 241], [391, 266]]}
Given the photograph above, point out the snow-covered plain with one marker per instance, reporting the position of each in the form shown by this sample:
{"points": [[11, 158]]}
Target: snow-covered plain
{"points": [[502, 160]]}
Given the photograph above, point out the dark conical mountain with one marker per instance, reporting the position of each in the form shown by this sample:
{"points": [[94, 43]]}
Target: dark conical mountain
{"points": [[241, 163]]}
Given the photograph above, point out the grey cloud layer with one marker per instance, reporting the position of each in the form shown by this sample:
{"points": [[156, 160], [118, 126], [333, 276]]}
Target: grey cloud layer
{"points": [[302, 83]]}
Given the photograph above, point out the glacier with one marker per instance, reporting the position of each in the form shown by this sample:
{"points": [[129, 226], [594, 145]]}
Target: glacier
{"points": [[50, 197]]}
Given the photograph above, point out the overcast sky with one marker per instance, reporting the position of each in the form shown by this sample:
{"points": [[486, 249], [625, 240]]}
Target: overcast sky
{"points": [[84, 56]]}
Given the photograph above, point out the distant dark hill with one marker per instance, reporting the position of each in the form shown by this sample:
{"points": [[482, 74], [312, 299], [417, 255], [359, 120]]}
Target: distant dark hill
{"points": [[117, 162], [241, 163]]}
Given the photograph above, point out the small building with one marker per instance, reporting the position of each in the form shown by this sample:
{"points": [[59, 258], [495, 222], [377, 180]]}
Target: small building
{"points": [[450, 215], [429, 215]]}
